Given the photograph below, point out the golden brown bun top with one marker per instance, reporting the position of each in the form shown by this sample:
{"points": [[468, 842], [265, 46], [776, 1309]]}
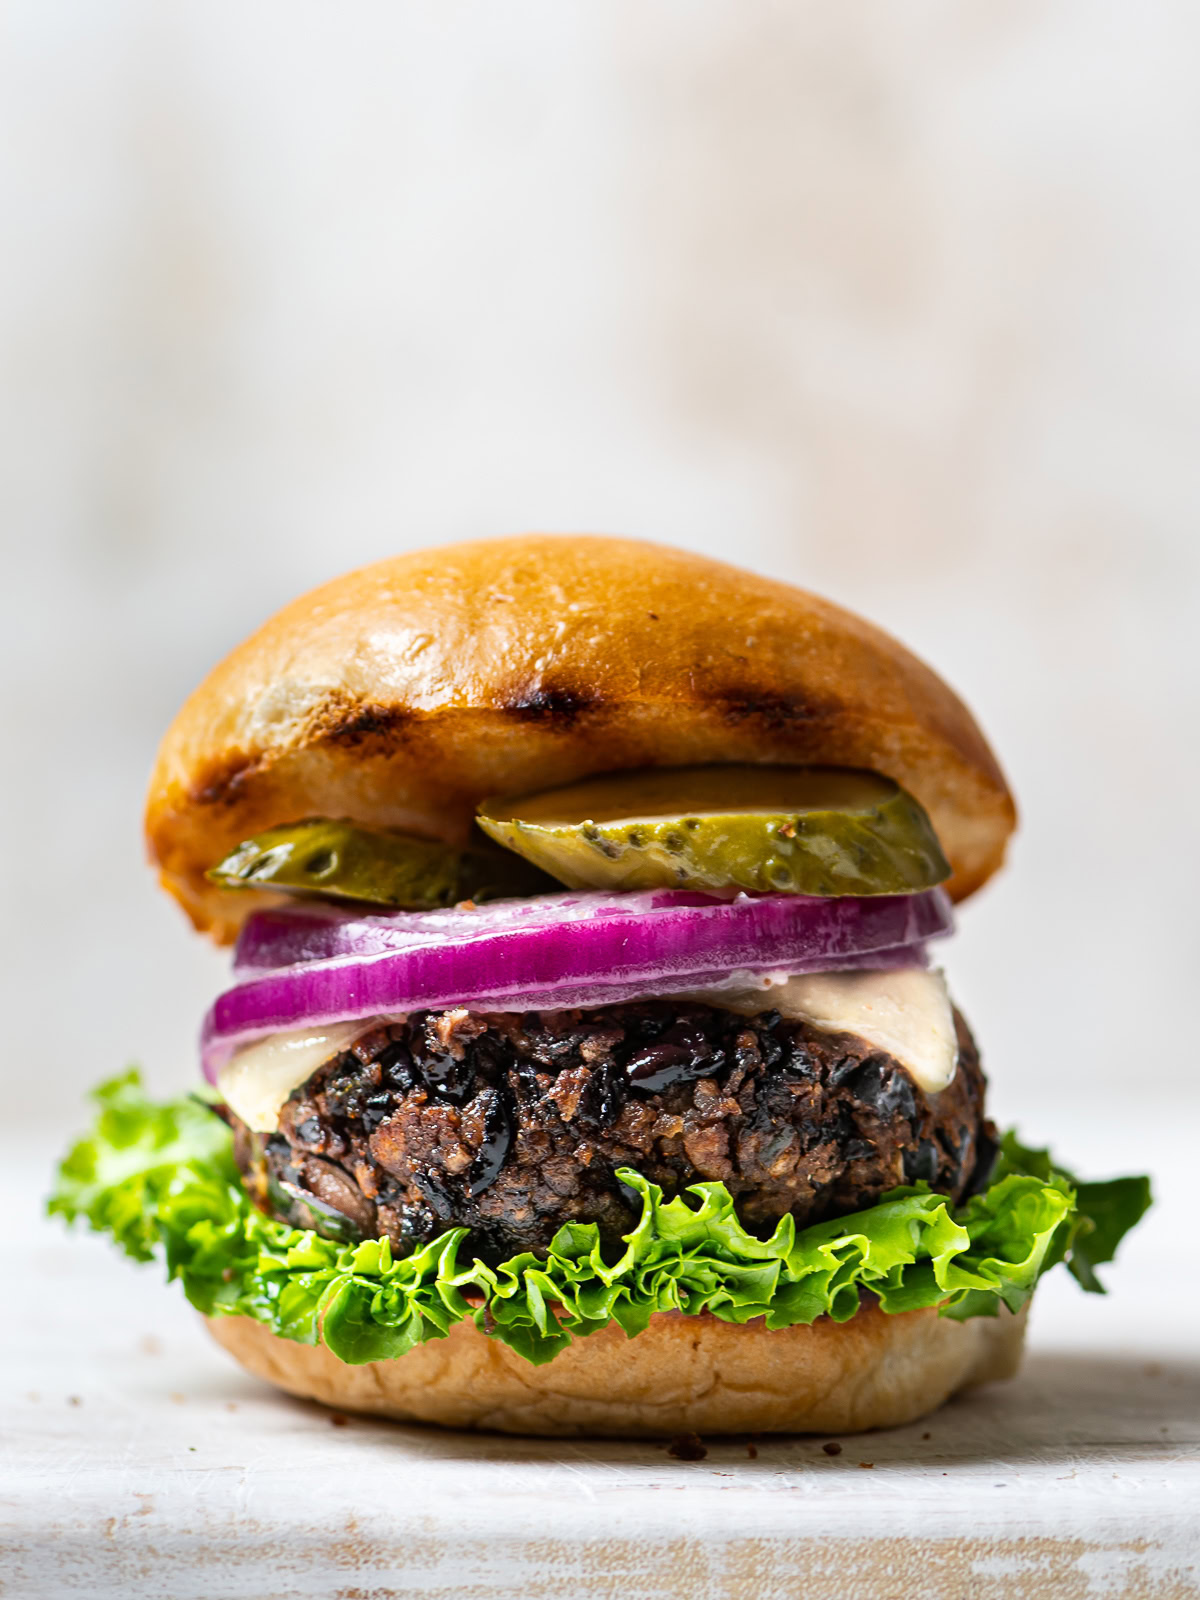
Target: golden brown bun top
{"points": [[401, 695]]}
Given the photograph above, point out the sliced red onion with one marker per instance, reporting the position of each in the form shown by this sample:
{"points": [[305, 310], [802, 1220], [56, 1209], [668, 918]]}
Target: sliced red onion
{"points": [[552, 952], [288, 935]]}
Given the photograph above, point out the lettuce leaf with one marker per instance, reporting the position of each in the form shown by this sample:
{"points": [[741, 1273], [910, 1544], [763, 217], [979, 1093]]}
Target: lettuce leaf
{"points": [[1105, 1211], [160, 1178]]}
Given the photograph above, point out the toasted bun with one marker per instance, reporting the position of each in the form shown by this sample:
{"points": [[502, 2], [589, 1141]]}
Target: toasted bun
{"points": [[403, 694], [682, 1375]]}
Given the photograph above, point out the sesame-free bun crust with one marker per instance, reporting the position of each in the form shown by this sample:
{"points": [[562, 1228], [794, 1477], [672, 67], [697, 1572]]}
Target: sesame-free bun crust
{"points": [[682, 1375], [402, 695]]}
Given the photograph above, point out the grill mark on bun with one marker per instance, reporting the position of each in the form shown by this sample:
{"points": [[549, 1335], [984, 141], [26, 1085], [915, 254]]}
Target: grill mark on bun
{"points": [[348, 726], [220, 785], [550, 705], [776, 712]]}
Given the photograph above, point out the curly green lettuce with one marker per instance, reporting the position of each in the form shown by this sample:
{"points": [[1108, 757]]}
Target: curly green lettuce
{"points": [[161, 1179]]}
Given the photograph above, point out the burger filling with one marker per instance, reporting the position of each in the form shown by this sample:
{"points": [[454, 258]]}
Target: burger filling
{"points": [[510, 1125]]}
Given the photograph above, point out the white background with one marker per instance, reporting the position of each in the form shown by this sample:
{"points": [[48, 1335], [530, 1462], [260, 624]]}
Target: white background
{"points": [[899, 302]]}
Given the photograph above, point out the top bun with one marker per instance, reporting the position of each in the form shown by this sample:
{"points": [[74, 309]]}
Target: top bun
{"points": [[402, 695]]}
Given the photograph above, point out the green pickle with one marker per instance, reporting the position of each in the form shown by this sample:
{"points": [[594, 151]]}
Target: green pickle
{"points": [[338, 861], [777, 830]]}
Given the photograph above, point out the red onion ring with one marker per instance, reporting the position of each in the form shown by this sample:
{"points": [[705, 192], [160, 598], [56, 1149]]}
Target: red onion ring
{"points": [[291, 934], [551, 952]]}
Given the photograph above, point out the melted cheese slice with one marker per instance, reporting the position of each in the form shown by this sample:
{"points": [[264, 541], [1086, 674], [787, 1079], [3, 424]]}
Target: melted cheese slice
{"points": [[906, 1012], [255, 1082]]}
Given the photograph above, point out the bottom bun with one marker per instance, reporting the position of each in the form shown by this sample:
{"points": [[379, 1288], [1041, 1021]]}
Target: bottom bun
{"points": [[682, 1375]]}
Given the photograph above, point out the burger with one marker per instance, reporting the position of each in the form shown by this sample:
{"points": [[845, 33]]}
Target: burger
{"points": [[587, 1067]]}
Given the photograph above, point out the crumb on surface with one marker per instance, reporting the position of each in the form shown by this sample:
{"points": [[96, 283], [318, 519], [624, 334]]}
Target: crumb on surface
{"points": [[687, 1447], [833, 1448], [338, 1420]]}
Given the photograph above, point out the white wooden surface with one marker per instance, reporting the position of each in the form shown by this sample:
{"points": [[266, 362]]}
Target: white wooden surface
{"points": [[137, 1461]]}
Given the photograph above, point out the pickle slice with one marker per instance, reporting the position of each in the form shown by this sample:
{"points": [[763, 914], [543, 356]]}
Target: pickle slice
{"points": [[777, 830], [337, 861]]}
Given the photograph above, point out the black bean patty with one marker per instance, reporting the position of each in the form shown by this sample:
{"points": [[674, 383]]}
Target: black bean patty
{"points": [[511, 1125]]}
